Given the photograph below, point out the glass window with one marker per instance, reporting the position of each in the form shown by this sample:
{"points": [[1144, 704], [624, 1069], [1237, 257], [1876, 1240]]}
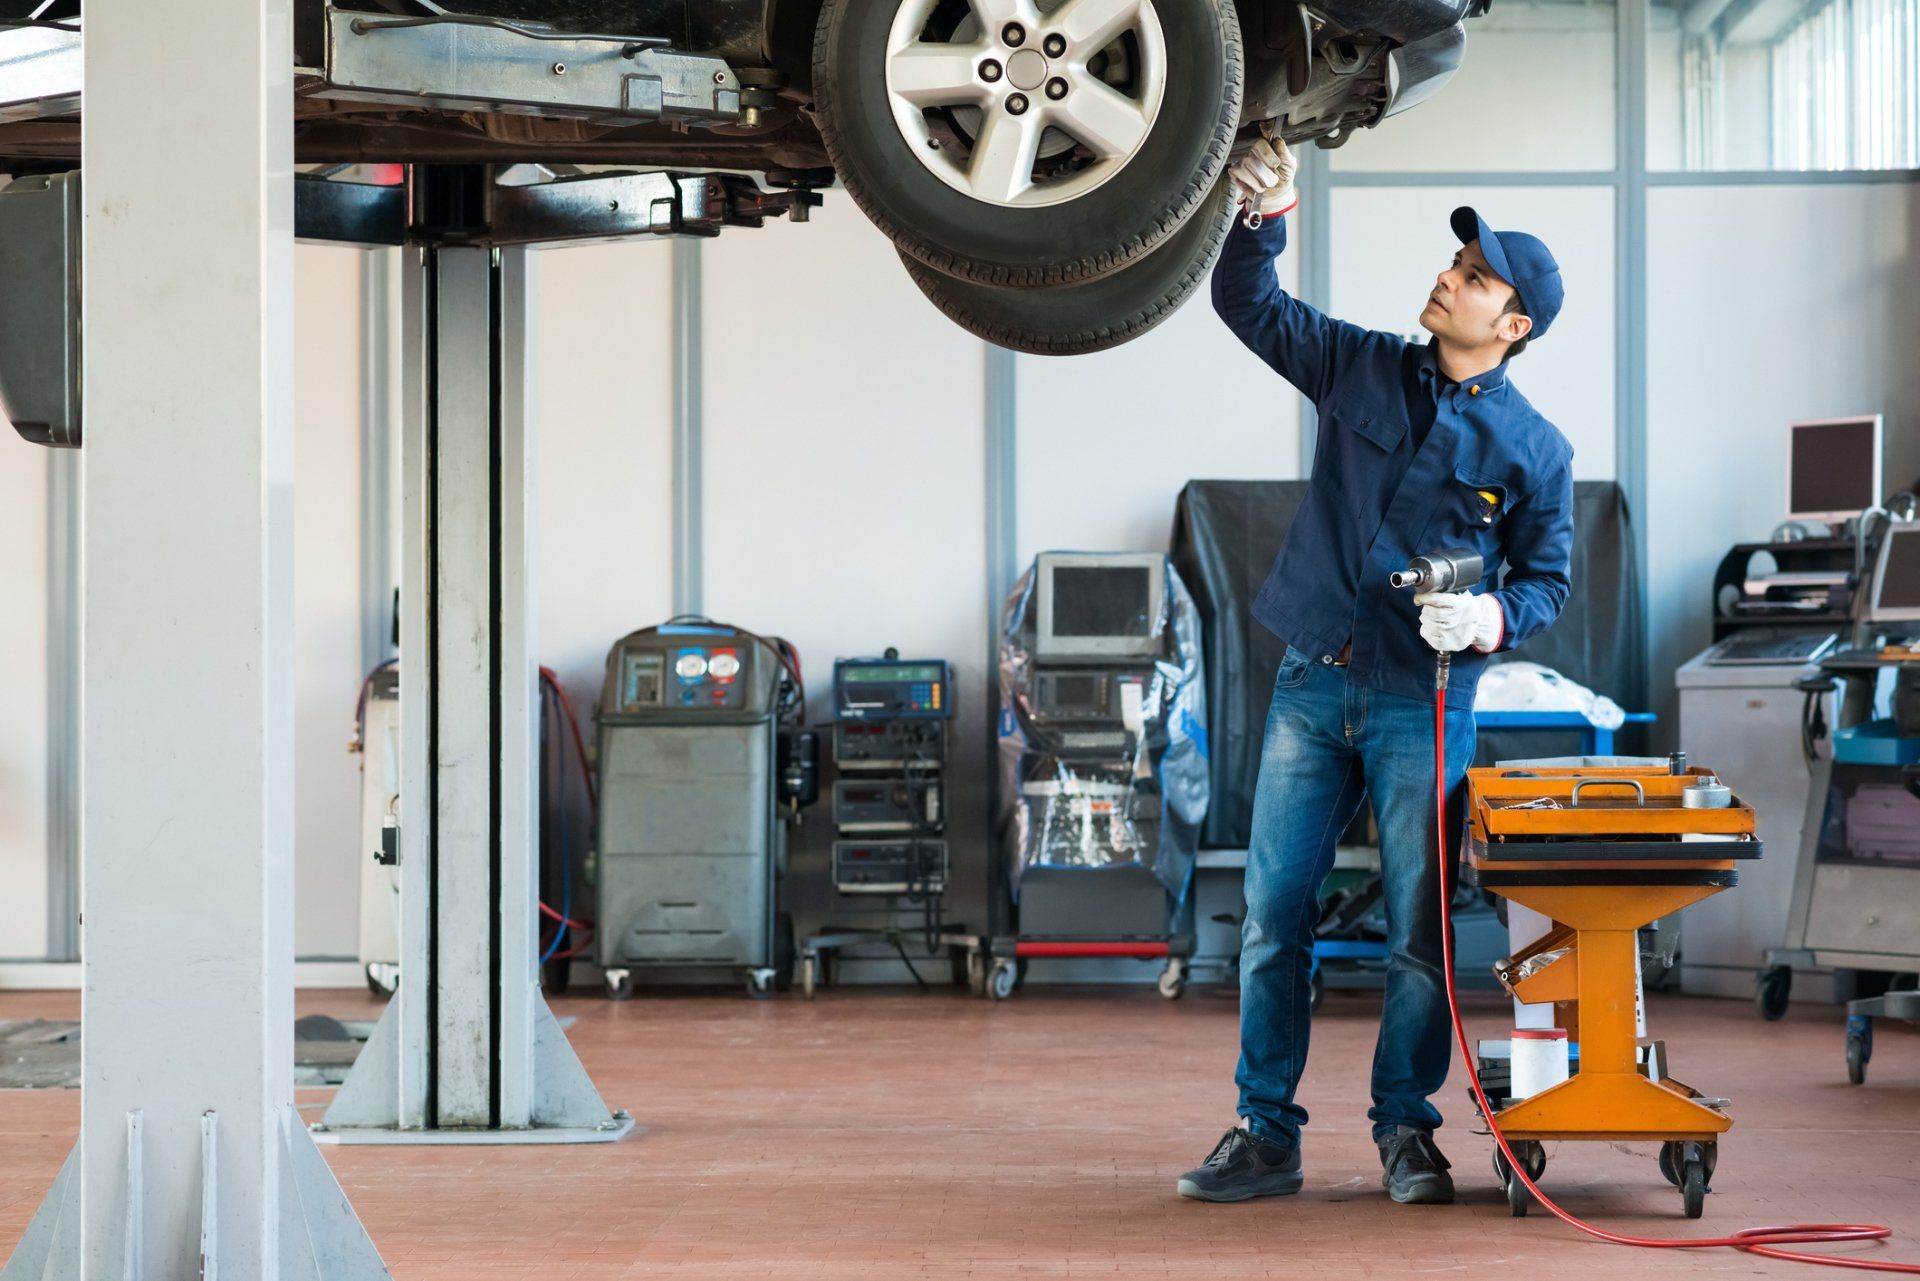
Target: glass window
{"points": [[1534, 91], [1784, 84]]}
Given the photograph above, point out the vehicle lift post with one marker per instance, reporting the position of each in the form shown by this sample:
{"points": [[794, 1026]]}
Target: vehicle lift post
{"points": [[468, 1052]]}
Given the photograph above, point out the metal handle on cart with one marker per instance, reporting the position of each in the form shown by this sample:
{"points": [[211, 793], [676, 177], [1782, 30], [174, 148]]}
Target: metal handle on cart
{"points": [[1634, 783]]}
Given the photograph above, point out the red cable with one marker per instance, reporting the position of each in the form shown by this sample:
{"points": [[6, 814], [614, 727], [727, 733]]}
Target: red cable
{"points": [[1752, 1240], [552, 915]]}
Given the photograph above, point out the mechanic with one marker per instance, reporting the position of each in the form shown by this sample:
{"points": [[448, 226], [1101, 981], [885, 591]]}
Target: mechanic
{"points": [[1420, 447]]}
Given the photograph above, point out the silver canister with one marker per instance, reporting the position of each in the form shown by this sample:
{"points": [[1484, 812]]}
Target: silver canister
{"points": [[1706, 793]]}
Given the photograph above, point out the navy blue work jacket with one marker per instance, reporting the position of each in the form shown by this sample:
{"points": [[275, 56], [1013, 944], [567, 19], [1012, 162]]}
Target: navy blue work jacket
{"points": [[1491, 474]]}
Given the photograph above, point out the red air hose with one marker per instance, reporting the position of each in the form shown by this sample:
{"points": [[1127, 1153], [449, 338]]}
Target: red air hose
{"points": [[1753, 1240]]}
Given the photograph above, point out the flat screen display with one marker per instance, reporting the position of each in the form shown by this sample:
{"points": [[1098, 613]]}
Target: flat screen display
{"points": [[1075, 691], [1102, 600], [876, 673], [1899, 587], [1835, 468]]}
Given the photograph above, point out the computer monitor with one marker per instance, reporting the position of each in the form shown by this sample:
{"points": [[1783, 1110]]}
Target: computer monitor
{"points": [[1896, 577], [1833, 468], [1099, 605]]}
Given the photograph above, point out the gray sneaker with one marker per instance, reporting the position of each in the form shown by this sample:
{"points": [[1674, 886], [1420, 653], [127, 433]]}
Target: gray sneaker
{"points": [[1242, 1167], [1413, 1171]]}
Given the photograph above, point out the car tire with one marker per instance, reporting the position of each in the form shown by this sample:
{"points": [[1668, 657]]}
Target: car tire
{"points": [[1088, 315], [1096, 219]]}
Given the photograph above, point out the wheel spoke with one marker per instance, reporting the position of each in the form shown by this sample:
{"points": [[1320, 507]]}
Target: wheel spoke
{"points": [[1110, 123], [1091, 25], [994, 14], [935, 75], [1003, 156]]}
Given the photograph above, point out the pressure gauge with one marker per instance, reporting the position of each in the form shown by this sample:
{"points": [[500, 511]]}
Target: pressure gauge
{"points": [[725, 665], [692, 665]]}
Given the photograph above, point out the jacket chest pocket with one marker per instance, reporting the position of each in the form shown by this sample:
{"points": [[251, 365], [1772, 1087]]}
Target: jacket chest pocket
{"points": [[1361, 443], [1470, 511]]}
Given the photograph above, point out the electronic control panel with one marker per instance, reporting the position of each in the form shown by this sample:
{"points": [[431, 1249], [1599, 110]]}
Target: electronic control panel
{"points": [[900, 745], [867, 689], [889, 804], [686, 675], [680, 671], [1080, 696], [890, 867]]}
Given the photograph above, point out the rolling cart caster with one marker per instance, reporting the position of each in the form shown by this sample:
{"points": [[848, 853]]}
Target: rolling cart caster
{"points": [[1533, 1157], [619, 985], [760, 984], [1689, 1166], [1316, 990], [1859, 1047], [1004, 979], [1771, 988], [809, 973], [1173, 979], [976, 972]]}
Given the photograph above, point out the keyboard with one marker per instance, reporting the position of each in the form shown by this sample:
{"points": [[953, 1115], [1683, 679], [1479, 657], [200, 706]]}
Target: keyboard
{"points": [[1761, 646]]}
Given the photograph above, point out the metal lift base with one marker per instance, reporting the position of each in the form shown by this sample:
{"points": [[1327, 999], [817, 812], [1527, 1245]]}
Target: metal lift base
{"points": [[566, 1107], [321, 1238]]}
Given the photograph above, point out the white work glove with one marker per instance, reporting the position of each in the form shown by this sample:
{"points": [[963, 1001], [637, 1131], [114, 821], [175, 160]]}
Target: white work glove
{"points": [[1263, 178], [1451, 621]]}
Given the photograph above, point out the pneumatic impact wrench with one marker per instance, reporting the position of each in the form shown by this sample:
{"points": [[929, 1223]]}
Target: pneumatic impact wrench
{"points": [[1453, 570]]}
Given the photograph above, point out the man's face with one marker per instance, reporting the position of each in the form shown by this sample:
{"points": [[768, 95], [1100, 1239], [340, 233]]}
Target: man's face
{"points": [[1468, 303]]}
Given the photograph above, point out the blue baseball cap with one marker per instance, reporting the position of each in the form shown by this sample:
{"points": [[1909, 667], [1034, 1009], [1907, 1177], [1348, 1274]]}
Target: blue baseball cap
{"points": [[1520, 260]]}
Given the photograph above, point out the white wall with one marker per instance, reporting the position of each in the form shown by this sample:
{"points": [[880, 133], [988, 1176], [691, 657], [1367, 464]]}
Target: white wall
{"points": [[604, 412], [1765, 304], [1534, 91], [1389, 244], [23, 697], [326, 599], [845, 486], [1107, 440]]}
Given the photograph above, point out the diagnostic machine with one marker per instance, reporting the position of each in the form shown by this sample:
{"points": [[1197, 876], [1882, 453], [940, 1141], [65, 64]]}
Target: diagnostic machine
{"points": [[700, 725]]}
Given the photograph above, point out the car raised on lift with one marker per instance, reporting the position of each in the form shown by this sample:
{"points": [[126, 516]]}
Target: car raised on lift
{"points": [[1049, 170]]}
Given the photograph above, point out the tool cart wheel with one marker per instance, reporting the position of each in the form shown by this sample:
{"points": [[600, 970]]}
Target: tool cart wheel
{"points": [[1004, 979], [809, 973], [1859, 1047], [1534, 1157], [976, 972], [1316, 991], [619, 985], [1518, 1198], [1693, 1188], [1689, 1166], [1173, 979], [1771, 988]]}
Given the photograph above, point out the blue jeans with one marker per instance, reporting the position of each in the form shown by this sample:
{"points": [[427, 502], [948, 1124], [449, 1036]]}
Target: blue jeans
{"points": [[1329, 742]]}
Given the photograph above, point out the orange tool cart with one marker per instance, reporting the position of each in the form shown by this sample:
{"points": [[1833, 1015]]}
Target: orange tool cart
{"points": [[1602, 852]]}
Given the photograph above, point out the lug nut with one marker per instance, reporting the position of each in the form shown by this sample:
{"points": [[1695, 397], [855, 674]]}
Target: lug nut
{"points": [[1055, 45], [1056, 88], [1014, 34], [1017, 104], [989, 71]]}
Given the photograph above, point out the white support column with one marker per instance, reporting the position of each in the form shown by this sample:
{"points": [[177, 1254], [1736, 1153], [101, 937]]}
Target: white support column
{"points": [[468, 1052], [519, 694], [191, 1160], [466, 835]]}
